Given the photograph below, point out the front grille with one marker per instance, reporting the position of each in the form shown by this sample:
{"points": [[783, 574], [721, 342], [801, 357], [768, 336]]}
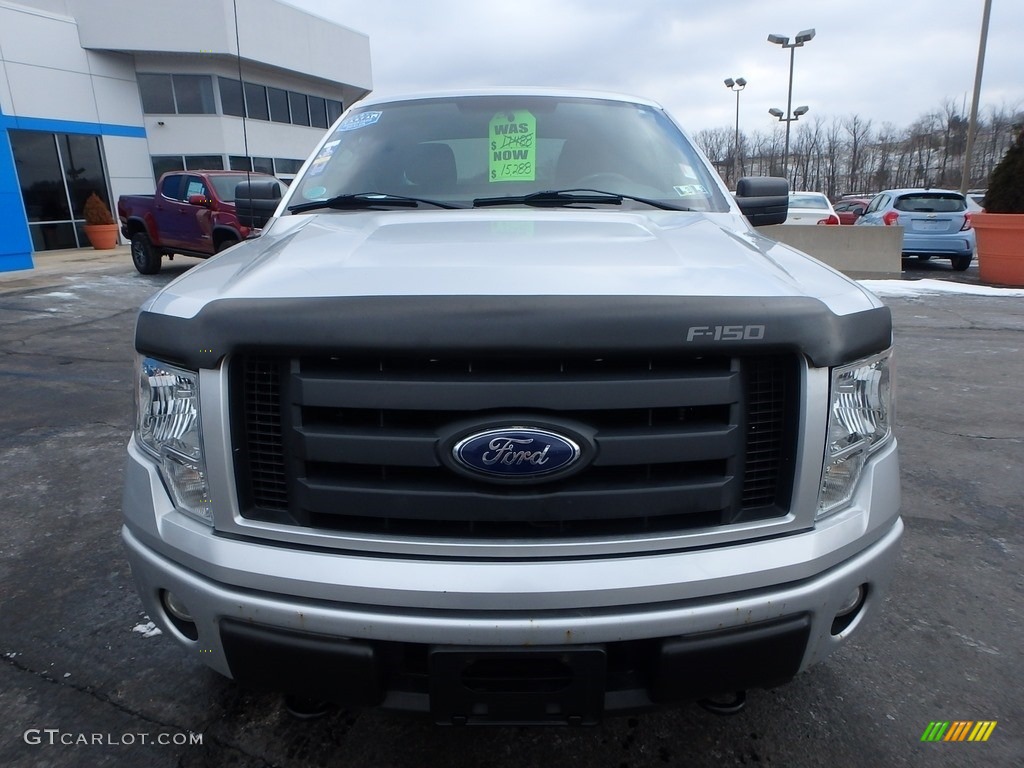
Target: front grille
{"points": [[353, 445]]}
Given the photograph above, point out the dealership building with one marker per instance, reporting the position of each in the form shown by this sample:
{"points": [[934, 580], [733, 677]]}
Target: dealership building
{"points": [[105, 95]]}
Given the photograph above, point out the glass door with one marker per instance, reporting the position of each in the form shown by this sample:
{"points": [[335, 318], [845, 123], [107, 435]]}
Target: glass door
{"points": [[57, 172]]}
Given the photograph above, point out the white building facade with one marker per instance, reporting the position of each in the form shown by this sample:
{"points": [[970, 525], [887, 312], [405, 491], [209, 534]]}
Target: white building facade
{"points": [[105, 95]]}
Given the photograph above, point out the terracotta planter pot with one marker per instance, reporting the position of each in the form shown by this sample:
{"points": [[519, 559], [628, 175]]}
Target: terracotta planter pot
{"points": [[1000, 247], [103, 237]]}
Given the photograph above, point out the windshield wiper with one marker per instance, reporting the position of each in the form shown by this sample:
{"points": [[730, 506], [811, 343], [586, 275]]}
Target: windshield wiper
{"points": [[553, 198], [361, 201]]}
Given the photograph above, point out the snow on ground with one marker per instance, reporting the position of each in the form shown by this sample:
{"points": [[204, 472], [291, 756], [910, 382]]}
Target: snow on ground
{"points": [[149, 629], [54, 295], [905, 288]]}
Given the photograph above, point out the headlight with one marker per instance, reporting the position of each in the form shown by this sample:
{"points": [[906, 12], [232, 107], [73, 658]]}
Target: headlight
{"points": [[168, 428], [858, 423]]}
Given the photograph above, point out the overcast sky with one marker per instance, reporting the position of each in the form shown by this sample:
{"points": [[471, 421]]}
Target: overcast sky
{"points": [[885, 60]]}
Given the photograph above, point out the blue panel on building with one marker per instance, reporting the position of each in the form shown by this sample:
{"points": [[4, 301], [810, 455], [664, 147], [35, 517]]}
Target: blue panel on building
{"points": [[15, 244], [71, 126], [15, 241]]}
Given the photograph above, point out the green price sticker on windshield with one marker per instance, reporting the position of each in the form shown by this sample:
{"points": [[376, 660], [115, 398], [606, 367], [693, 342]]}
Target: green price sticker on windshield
{"points": [[513, 146]]}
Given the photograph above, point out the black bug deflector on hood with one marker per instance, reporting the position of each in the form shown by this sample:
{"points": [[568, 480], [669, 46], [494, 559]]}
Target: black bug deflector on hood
{"points": [[515, 325]]}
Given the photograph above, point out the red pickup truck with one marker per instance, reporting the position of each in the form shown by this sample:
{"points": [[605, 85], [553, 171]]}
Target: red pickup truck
{"points": [[192, 213]]}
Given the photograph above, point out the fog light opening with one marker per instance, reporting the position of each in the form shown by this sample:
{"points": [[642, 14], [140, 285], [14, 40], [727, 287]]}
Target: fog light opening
{"points": [[178, 615], [849, 610]]}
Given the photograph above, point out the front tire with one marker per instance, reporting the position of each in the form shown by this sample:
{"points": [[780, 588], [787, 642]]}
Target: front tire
{"points": [[960, 263], [144, 255], [223, 245]]}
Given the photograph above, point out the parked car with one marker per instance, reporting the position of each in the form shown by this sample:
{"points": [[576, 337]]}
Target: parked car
{"points": [[936, 222], [810, 208], [849, 209], [192, 213]]}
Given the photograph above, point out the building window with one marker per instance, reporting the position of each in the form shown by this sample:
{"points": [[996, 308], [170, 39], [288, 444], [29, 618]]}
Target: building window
{"points": [[157, 94], [232, 102], [256, 101], [300, 108], [278, 98], [57, 172], [263, 165], [334, 110], [165, 163], [286, 166], [176, 94], [318, 112], [193, 94], [204, 163]]}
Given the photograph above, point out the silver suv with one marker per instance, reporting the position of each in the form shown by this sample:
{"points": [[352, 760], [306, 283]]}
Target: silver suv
{"points": [[509, 416]]}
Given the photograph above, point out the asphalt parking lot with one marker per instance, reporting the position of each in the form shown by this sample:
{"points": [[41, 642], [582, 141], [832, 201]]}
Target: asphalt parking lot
{"points": [[83, 681]]}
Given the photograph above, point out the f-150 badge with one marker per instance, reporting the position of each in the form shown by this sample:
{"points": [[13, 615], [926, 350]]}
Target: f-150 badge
{"points": [[725, 332]]}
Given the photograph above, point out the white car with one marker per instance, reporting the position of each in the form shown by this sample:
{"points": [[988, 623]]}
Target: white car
{"points": [[810, 208]]}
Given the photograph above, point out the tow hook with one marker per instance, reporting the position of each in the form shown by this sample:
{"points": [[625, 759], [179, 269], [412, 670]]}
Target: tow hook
{"points": [[732, 707]]}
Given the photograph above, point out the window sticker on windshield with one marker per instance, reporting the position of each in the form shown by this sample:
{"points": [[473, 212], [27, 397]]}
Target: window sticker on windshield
{"points": [[314, 192], [361, 120], [323, 157], [513, 146], [319, 165], [691, 190]]}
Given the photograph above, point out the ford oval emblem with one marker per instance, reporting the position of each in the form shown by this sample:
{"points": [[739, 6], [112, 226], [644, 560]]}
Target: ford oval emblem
{"points": [[516, 453]]}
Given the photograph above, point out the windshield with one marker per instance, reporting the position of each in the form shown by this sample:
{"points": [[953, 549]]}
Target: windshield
{"points": [[460, 149]]}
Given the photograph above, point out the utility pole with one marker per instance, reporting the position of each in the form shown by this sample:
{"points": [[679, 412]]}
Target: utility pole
{"points": [[972, 123]]}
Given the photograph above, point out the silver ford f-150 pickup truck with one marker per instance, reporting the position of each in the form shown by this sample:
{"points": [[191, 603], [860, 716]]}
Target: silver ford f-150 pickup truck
{"points": [[509, 416]]}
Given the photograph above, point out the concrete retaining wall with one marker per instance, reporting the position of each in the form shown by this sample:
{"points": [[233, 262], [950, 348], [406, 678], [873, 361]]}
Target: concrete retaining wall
{"points": [[855, 251]]}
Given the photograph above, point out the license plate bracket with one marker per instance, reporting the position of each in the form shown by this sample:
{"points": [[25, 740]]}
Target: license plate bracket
{"points": [[528, 686]]}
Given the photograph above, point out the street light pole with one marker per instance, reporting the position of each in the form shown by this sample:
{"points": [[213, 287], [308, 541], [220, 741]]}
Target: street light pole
{"points": [[972, 123], [802, 37], [736, 85], [796, 115], [789, 112]]}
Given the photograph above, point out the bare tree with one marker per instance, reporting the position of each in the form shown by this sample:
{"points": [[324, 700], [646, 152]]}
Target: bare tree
{"points": [[716, 143], [885, 148], [860, 132], [833, 156], [953, 144], [846, 155]]}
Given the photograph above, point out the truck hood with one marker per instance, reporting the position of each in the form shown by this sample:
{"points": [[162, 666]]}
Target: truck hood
{"points": [[510, 252]]}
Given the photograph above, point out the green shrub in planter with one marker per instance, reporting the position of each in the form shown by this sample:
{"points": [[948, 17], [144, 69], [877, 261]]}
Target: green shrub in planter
{"points": [[1006, 187], [1000, 229]]}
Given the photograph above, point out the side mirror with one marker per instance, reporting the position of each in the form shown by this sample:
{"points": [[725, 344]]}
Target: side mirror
{"points": [[763, 200], [256, 201], [201, 200]]}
